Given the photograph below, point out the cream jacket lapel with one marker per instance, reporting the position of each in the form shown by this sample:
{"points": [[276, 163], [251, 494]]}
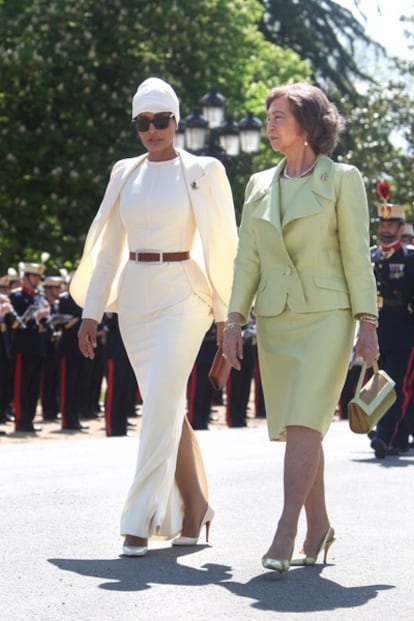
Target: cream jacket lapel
{"points": [[210, 195]]}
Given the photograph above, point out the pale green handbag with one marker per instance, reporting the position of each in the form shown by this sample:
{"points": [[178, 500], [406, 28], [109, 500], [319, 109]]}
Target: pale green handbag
{"points": [[371, 401]]}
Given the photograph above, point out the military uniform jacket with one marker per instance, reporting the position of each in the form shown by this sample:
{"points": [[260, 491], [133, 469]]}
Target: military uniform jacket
{"points": [[68, 342], [394, 276], [29, 341]]}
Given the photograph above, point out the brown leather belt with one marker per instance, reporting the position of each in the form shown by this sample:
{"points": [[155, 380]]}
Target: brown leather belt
{"points": [[159, 257]]}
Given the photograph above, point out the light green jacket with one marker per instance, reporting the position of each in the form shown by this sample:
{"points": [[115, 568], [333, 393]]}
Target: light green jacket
{"points": [[314, 258]]}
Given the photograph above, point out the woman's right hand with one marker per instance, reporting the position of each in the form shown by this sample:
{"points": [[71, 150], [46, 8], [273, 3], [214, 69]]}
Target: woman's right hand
{"points": [[87, 337], [366, 346]]}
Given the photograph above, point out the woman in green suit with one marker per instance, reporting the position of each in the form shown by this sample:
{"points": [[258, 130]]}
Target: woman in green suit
{"points": [[303, 260]]}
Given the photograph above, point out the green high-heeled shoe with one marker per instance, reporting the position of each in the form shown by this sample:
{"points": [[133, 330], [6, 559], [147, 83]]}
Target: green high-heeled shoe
{"points": [[304, 559]]}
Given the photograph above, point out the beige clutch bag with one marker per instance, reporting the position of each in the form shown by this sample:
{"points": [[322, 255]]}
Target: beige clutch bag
{"points": [[371, 401]]}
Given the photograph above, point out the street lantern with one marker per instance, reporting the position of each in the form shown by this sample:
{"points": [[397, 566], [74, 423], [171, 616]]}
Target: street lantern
{"points": [[213, 104], [207, 132], [195, 130], [250, 131], [179, 139], [229, 138]]}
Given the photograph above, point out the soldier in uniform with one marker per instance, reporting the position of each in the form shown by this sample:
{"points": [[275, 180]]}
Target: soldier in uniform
{"points": [[121, 384], [28, 345], [7, 320], [74, 370], [15, 280], [239, 382], [200, 392], [394, 272], [52, 286], [260, 407], [407, 235]]}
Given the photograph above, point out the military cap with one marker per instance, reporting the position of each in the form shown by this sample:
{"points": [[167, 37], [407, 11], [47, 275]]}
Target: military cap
{"points": [[31, 268]]}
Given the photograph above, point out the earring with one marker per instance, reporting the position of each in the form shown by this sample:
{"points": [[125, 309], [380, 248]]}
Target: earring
{"points": [[306, 143]]}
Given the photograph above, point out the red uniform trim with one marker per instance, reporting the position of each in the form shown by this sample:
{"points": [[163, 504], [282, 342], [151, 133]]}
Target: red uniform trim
{"points": [[257, 382], [228, 401], [17, 389], [191, 392], [63, 389], [42, 384], [109, 397], [407, 392]]}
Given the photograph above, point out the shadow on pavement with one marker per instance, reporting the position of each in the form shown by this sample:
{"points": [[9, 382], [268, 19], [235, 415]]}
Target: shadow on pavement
{"points": [[291, 592], [295, 592], [138, 574], [388, 462]]}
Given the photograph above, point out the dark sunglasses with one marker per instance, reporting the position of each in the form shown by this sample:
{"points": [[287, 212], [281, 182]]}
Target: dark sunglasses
{"points": [[160, 122]]}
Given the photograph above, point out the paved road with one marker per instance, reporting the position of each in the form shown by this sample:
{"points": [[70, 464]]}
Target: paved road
{"points": [[59, 513]]}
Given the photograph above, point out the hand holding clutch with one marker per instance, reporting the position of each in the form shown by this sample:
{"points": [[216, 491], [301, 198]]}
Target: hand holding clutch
{"points": [[219, 371]]}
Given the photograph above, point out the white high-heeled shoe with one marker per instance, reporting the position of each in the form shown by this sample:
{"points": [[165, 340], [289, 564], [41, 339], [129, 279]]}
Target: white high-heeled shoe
{"points": [[131, 550], [192, 541], [134, 550]]}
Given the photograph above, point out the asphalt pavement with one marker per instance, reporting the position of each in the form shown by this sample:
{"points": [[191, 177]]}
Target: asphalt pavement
{"points": [[60, 549]]}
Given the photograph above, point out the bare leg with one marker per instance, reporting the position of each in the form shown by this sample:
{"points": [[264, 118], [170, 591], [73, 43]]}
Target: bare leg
{"points": [[191, 480], [192, 483], [138, 542], [303, 471], [316, 511]]}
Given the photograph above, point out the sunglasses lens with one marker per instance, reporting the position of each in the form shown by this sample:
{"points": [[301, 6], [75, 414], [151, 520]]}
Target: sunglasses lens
{"points": [[159, 122], [142, 124]]}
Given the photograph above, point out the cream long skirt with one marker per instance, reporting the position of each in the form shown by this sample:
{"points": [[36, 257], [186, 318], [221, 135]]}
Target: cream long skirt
{"points": [[162, 346], [304, 358]]}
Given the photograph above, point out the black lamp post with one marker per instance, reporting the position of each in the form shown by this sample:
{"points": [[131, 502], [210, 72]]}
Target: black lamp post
{"points": [[206, 132]]}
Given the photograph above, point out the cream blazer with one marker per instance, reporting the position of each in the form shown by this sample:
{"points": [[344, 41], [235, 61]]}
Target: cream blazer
{"points": [[313, 258], [215, 248]]}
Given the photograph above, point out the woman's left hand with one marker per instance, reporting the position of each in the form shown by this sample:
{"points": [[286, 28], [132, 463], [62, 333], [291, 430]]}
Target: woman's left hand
{"points": [[233, 346], [367, 343]]}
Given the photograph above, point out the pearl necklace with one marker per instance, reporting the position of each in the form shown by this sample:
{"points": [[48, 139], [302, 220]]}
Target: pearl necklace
{"points": [[302, 174]]}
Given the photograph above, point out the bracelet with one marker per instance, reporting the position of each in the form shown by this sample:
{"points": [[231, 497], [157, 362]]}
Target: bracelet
{"points": [[368, 319], [231, 325]]}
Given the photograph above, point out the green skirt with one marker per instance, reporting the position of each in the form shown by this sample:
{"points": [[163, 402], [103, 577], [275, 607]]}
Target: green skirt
{"points": [[304, 359]]}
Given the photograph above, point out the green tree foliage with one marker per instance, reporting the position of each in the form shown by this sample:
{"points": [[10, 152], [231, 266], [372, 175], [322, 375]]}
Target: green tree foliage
{"points": [[323, 32], [68, 71], [374, 142], [380, 136]]}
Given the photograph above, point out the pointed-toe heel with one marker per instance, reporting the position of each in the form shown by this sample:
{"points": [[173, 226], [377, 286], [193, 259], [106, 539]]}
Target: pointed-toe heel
{"points": [[134, 550], [280, 565], [192, 541], [304, 559], [129, 549]]}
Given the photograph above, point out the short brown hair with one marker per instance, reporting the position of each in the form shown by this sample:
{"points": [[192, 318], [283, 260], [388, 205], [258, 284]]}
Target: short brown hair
{"points": [[317, 116]]}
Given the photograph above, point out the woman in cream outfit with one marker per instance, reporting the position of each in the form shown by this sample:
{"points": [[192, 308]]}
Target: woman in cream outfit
{"points": [[171, 202], [304, 256]]}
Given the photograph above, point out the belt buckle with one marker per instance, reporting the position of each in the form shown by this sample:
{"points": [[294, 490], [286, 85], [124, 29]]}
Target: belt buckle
{"points": [[150, 251]]}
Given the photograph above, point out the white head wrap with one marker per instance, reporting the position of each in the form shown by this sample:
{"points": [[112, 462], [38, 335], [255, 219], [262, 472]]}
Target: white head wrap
{"points": [[155, 95]]}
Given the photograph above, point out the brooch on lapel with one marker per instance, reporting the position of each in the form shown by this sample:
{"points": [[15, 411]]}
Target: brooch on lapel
{"points": [[194, 186]]}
